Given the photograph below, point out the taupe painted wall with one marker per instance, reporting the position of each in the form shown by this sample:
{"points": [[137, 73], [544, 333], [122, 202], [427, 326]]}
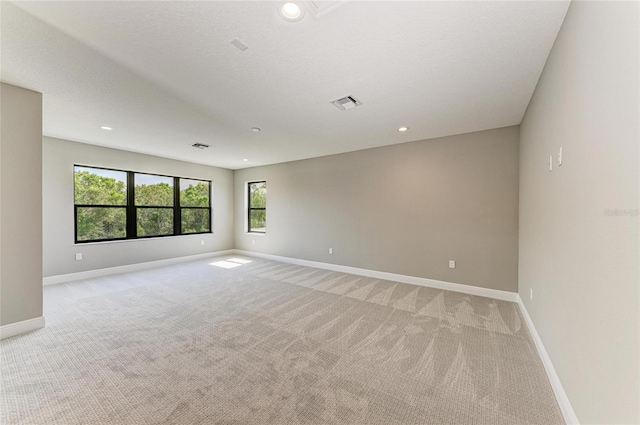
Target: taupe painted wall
{"points": [[404, 209], [59, 156], [20, 204], [579, 223]]}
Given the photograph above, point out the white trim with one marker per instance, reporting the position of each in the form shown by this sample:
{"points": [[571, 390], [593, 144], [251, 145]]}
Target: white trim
{"points": [[420, 281], [144, 239], [50, 280], [7, 331], [563, 401]]}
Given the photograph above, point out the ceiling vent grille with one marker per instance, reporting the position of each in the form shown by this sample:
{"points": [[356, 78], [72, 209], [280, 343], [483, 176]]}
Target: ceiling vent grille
{"points": [[320, 8], [347, 102], [200, 146]]}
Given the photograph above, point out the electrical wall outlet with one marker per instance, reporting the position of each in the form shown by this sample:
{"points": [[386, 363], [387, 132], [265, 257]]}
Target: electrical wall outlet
{"points": [[550, 163], [253, 241], [201, 241], [531, 294], [79, 256], [330, 250], [452, 264]]}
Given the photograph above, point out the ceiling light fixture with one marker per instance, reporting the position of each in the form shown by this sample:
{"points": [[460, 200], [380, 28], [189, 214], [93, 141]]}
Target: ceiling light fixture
{"points": [[104, 127], [290, 12], [403, 128], [245, 160], [256, 129]]}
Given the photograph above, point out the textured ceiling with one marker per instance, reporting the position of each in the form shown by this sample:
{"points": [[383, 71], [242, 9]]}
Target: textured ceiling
{"points": [[165, 75]]}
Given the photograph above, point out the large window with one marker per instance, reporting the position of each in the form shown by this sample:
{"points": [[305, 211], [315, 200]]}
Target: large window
{"points": [[257, 211], [115, 204]]}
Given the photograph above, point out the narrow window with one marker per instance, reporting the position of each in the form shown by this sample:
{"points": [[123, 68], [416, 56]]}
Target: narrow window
{"points": [[195, 202], [154, 205], [257, 211], [100, 204]]}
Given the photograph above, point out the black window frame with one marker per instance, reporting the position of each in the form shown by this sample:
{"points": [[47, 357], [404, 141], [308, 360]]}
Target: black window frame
{"points": [[132, 209], [177, 222], [250, 208]]}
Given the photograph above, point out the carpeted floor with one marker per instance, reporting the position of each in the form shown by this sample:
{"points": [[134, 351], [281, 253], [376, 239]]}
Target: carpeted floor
{"points": [[250, 341]]}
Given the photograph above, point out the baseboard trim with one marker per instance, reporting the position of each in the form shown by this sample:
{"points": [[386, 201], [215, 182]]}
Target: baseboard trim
{"points": [[51, 280], [420, 281], [568, 413], [13, 329], [561, 396]]}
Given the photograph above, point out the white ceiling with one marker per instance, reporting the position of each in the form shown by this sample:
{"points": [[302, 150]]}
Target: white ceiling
{"points": [[165, 75]]}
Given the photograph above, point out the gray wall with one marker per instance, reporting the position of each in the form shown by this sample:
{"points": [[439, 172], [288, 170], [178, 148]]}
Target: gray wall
{"points": [[404, 209], [59, 156], [579, 223], [20, 204]]}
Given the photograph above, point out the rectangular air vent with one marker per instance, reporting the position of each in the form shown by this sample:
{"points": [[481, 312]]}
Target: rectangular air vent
{"points": [[347, 102], [200, 145], [320, 8], [239, 44]]}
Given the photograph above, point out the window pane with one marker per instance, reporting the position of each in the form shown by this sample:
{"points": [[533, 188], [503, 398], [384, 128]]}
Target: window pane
{"points": [[153, 190], [258, 220], [194, 193], [93, 186], [258, 195], [154, 221], [195, 220], [95, 223]]}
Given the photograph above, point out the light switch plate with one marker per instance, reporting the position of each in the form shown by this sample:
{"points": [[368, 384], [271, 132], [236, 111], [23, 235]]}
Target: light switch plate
{"points": [[560, 156]]}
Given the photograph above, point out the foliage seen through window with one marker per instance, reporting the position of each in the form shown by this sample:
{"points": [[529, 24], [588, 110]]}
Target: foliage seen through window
{"points": [[104, 213], [257, 211]]}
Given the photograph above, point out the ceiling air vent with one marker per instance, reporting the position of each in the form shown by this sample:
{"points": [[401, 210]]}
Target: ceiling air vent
{"points": [[320, 8], [239, 44], [347, 102], [200, 146]]}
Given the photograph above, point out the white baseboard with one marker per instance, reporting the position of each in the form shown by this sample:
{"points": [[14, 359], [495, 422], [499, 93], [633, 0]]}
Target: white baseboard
{"points": [[7, 331], [563, 401], [50, 280], [420, 281]]}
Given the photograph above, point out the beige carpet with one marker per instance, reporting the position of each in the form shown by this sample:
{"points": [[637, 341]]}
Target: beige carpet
{"points": [[264, 342]]}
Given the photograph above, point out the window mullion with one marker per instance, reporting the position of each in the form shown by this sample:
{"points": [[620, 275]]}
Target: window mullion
{"points": [[177, 212], [131, 206]]}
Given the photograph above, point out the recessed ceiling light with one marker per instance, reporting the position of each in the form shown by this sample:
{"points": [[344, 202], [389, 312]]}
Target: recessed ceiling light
{"points": [[290, 12], [403, 128], [256, 129], [104, 127], [245, 160]]}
